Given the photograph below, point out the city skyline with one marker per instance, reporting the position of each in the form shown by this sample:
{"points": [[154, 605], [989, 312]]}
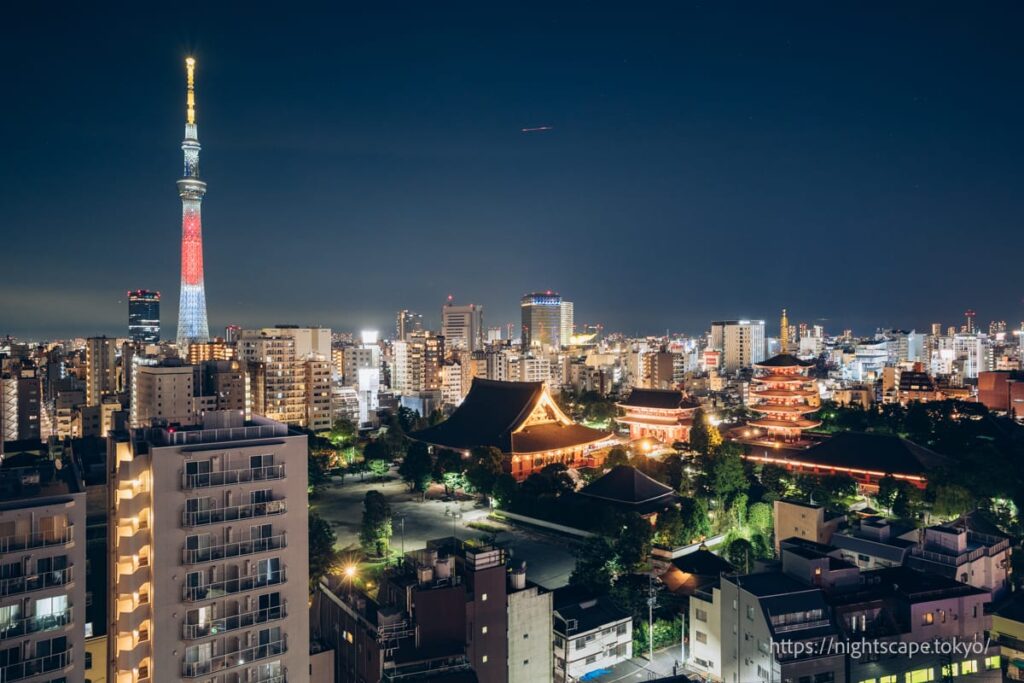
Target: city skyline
{"points": [[880, 166]]}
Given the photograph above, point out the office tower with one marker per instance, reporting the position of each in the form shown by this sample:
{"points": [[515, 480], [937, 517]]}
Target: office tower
{"points": [[100, 369], [163, 394], [144, 316], [208, 537], [192, 326], [541, 321], [406, 323], [462, 326], [42, 592], [290, 372], [567, 323], [740, 341]]}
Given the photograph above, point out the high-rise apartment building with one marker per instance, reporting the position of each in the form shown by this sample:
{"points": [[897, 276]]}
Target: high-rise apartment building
{"points": [[222, 385], [418, 363], [21, 402], [208, 538], [42, 552], [144, 316], [567, 324], [215, 349], [741, 342], [290, 374], [462, 326], [100, 369], [163, 393], [407, 322], [541, 314]]}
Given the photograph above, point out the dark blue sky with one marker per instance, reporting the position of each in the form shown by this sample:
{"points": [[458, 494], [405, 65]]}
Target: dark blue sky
{"points": [[859, 162]]}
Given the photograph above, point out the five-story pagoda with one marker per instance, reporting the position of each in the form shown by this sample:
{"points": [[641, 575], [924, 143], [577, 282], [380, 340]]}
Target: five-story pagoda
{"points": [[785, 397]]}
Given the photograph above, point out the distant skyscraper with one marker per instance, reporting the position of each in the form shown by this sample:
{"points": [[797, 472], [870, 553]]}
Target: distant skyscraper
{"points": [[100, 369], [784, 333], [462, 326], [740, 341], [407, 322], [567, 324], [969, 322], [541, 320], [192, 325], [144, 316]]}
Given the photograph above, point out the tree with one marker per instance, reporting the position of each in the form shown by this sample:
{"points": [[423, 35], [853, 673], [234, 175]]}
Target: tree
{"points": [[416, 467], [485, 466], [633, 546], [558, 474], [342, 431], [951, 500], [318, 462], [888, 488], [838, 487], [617, 456], [375, 449], [728, 478], [505, 489], [596, 566], [448, 469], [379, 468], [760, 518], [775, 478], [740, 554], [407, 419], [908, 500], [704, 436], [669, 528], [375, 531], [694, 516], [322, 554], [394, 436]]}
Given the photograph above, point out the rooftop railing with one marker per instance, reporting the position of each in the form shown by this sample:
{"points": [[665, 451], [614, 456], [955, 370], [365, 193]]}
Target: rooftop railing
{"points": [[39, 539], [238, 475]]}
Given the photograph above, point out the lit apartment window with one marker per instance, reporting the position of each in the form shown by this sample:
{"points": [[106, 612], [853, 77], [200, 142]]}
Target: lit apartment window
{"points": [[483, 629], [928, 619], [484, 659], [968, 666]]}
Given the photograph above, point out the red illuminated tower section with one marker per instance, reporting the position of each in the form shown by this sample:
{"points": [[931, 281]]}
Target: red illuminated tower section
{"points": [[192, 325]]}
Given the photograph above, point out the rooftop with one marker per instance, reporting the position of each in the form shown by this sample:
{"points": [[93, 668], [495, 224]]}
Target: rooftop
{"points": [[628, 485], [783, 360], [659, 399], [28, 471], [875, 453]]}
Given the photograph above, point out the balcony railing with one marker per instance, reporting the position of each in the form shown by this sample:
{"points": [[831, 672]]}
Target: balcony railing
{"points": [[35, 582], [231, 586], [36, 666], [233, 623], [232, 513], [239, 475], [47, 622], [235, 549], [241, 656], [40, 539]]}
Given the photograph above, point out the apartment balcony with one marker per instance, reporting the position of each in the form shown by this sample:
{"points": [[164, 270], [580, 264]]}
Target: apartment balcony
{"points": [[40, 539], [47, 622], [246, 655], [237, 549], [233, 623], [35, 582], [36, 666], [233, 513], [241, 584], [240, 475]]}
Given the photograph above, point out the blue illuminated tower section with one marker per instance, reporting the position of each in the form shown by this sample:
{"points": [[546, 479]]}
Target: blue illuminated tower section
{"points": [[192, 325]]}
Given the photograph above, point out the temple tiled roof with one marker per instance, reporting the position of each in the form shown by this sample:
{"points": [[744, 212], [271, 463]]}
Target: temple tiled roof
{"points": [[493, 410], [874, 452], [625, 484], [783, 360], [660, 399]]}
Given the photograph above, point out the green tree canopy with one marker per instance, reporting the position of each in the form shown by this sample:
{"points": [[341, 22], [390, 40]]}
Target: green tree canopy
{"points": [[322, 555], [416, 466], [616, 456], [596, 566], [484, 468], [375, 530]]}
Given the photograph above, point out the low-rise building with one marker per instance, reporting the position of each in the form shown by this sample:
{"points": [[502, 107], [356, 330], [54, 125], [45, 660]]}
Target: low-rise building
{"points": [[589, 634], [793, 518]]}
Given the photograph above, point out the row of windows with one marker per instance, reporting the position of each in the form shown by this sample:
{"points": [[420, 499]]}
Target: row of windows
{"points": [[964, 668]]}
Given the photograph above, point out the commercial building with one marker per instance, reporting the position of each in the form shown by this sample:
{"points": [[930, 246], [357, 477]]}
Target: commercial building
{"points": [[541, 314], [462, 326], [42, 552], [144, 316], [209, 566]]}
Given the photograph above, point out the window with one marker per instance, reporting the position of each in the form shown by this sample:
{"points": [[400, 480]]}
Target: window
{"points": [[591, 659], [863, 558], [951, 671], [620, 630], [750, 612], [891, 678], [88, 660], [483, 629], [525, 636], [483, 659], [526, 662], [868, 680], [483, 598], [927, 619], [920, 676], [701, 637], [825, 677], [701, 615], [992, 662], [968, 666]]}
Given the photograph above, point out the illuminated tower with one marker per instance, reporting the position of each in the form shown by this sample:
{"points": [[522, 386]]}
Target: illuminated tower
{"points": [[192, 325], [784, 332]]}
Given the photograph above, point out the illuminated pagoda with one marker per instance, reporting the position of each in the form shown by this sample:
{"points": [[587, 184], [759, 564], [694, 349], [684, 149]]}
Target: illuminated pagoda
{"points": [[662, 414], [521, 420], [785, 396]]}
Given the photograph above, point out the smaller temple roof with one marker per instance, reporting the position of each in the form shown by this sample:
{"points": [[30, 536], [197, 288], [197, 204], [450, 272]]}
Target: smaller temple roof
{"points": [[628, 485], [703, 562], [660, 399], [874, 452], [783, 360]]}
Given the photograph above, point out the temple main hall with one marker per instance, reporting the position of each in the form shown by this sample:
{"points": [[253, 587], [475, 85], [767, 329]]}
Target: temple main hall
{"points": [[522, 420]]}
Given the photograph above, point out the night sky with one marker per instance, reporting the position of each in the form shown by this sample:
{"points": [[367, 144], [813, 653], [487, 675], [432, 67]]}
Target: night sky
{"points": [[857, 162]]}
